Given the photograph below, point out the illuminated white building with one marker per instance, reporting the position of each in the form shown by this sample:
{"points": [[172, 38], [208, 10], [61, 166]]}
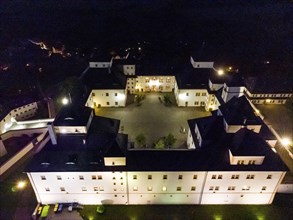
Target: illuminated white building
{"points": [[223, 165]]}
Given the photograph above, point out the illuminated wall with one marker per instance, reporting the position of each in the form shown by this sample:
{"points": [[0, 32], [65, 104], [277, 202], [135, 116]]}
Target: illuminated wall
{"points": [[107, 98]]}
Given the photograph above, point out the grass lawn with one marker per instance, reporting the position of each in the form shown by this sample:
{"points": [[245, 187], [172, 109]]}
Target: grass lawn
{"points": [[282, 210]]}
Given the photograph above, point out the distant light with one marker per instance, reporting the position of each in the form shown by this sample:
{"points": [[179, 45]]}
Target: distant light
{"points": [[230, 68], [121, 96], [268, 100], [27, 64], [220, 72], [63, 130], [267, 62], [21, 184], [65, 101], [285, 141], [139, 48]]}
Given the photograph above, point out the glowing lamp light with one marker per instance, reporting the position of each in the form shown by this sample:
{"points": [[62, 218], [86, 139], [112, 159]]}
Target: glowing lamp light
{"points": [[63, 130], [65, 101], [230, 68], [154, 82], [220, 72], [268, 100], [285, 141], [121, 96], [20, 184], [182, 96]]}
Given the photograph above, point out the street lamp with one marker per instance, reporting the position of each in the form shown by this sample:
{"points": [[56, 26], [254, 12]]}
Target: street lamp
{"points": [[220, 72], [65, 101], [21, 184], [285, 141]]}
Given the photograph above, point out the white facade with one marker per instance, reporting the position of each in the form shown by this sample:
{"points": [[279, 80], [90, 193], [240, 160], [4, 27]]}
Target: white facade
{"points": [[107, 98], [20, 113], [191, 97], [156, 187], [201, 64], [105, 64], [154, 83]]}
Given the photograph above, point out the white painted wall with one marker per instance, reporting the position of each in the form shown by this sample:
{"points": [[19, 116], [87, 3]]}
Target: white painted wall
{"points": [[191, 97], [155, 83], [107, 98]]}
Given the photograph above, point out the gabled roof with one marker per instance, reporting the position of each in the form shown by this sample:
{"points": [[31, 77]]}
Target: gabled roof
{"points": [[248, 143], [73, 116], [238, 111], [104, 78]]}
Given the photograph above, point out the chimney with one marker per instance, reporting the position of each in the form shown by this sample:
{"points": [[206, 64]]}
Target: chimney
{"points": [[52, 133]]}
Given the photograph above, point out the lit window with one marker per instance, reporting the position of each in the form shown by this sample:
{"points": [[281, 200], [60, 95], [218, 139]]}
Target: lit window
{"points": [[43, 178], [135, 188], [83, 189], [246, 188], [150, 188], [101, 188], [164, 188]]}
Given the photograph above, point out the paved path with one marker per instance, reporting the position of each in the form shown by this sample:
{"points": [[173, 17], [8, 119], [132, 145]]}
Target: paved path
{"points": [[154, 119]]}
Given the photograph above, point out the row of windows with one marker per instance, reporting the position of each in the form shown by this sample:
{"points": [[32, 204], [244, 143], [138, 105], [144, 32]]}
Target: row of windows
{"points": [[195, 103], [198, 94], [233, 188], [249, 176], [106, 94], [165, 177], [271, 95], [164, 188]]}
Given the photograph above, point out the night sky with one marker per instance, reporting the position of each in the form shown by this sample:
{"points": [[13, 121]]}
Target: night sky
{"points": [[253, 27]]}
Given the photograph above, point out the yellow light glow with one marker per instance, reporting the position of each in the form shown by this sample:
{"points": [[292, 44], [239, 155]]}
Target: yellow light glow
{"points": [[268, 100], [121, 96], [285, 141], [220, 72], [230, 68], [257, 111], [21, 184], [154, 82], [65, 101], [182, 96]]}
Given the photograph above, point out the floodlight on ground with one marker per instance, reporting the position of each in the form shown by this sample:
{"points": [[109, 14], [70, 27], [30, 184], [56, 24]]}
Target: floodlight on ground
{"points": [[65, 101], [21, 184], [285, 141], [220, 72]]}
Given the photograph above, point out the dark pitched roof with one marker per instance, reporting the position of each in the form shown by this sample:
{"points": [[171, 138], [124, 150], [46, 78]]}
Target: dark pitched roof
{"points": [[238, 111], [193, 78], [73, 116], [104, 78], [230, 78]]}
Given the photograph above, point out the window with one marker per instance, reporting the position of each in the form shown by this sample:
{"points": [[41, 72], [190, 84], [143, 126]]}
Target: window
{"points": [[96, 189], [62, 189], [214, 176], [194, 177], [164, 188], [83, 189], [93, 94], [81, 177], [250, 162], [178, 188], [197, 94], [47, 189], [193, 188], [147, 80], [150, 188], [235, 177], [115, 93], [43, 178], [161, 80], [195, 103], [107, 94], [135, 177], [168, 80], [187, 94], [264, 188], [114, 178], [116, 103], [246, 188], [211, 188], [231, 188], [101, 188], [202, 103], [135, 188], [165, 177], [149, 177], [220, 177], [240, 162], [217, 188], [250, 177], [203, 94], [59, 178], [180, 177], [94, 177], [108, 103], [100, 177], [269, 177]]}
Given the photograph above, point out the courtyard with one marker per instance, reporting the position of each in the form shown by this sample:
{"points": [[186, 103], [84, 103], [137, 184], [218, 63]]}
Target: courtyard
{"points": [[154, 119]]}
